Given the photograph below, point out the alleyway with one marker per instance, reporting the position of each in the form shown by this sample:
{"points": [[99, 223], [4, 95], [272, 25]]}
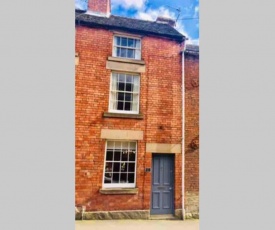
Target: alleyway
{"points": [[137, 225]]}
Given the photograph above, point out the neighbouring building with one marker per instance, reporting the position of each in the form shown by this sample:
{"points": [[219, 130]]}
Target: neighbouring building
{"points": [[191, 114], [129, 129]]}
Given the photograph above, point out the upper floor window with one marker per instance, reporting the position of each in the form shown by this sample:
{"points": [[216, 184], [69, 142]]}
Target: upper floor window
{"points": [[124, 94], [127, 47]]}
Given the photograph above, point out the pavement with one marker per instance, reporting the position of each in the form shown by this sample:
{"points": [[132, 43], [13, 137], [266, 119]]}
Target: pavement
{"points": [[137, 224]]}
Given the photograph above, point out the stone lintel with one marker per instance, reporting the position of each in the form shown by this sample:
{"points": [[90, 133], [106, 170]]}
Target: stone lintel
{"points": [[118, 134], [126, 65], [163, 148]]}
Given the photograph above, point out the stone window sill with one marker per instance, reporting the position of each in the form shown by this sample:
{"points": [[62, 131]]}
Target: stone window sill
{"points": [[118, 191], [132, 61], [122, 115]]}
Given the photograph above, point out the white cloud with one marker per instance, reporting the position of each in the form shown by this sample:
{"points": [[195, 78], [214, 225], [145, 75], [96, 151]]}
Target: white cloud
{"points": [[196, 12], [152, 14], [193, 41], [127, 4]]}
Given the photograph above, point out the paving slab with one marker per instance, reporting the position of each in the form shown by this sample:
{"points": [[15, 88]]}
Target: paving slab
{"points": [[137, 224]]}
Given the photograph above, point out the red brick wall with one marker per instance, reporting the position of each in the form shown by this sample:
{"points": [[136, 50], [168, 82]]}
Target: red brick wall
{"points": [[191, 133], [160, 104], [102, 6]]}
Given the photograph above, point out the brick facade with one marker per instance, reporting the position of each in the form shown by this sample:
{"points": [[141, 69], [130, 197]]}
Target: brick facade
{"points": [[160, 105]]}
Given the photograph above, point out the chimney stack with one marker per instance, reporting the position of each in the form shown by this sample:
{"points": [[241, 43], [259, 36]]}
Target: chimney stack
{"points": [[165, 20], [100, 7]]}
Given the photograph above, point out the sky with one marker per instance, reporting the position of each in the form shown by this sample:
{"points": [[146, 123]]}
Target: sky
{"points": [[150, 9]]}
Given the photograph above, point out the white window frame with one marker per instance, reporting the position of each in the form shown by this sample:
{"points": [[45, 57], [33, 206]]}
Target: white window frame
{"points": [[110, 94], [126, 47], [119, 185]]}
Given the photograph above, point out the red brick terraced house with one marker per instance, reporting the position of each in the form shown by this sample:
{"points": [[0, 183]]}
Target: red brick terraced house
{"points": [[132, 148]]}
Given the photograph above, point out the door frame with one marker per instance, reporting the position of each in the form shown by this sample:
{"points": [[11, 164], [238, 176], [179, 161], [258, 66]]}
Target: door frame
{"points": [[171, 155]]}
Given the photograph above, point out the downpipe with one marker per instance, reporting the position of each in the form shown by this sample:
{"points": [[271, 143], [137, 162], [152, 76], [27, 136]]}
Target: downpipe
{"points": [[183, 130]]}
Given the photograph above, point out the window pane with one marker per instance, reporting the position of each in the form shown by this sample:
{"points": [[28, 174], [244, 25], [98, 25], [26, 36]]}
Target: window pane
{"points": [[123, 52], [137, 54], [128, 97], [113, 96], [108, 178], [131, 42], [132, 156], [109, 167], [137, 43], [130, 53], [134, 107], [123, 167], [118, 52], [114, 104], [117, 155], [131, 177], [121, 86], [123, 178], [131, 167], [132, 145], [121, 96], [115, 178], [117, 41], [129, 78], [136, 84], [127, 106], [129, 87], [123, 41], [109, 155], [135, 98], [124, 156], [110, 145], [116, 167], [114, 81], [124, 145], [121, 77], [117, 145], [120, 105]]}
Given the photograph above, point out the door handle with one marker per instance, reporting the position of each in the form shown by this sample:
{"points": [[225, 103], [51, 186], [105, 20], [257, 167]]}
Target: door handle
{"points": [[170, 188]]}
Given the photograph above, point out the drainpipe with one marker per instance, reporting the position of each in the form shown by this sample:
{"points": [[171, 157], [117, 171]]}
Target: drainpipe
{"points": [[183, 129]]}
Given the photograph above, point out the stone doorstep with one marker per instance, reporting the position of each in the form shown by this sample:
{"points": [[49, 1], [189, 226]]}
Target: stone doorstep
{"points": [[163, 217]]}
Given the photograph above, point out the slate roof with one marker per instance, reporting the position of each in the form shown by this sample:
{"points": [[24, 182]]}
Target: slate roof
{"points": [[130, 25], [192, 49]]}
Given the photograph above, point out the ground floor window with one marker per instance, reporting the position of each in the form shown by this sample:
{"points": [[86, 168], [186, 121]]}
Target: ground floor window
{"points": [[120, 164]]}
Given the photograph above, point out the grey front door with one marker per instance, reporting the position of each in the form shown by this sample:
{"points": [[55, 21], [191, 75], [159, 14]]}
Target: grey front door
{"points": [[162, 197]]}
